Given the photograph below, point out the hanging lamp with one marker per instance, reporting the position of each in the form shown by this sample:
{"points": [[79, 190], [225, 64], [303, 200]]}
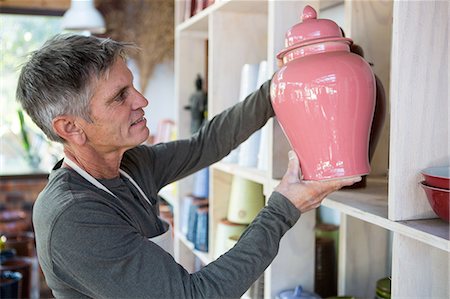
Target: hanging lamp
{"points": [[83, 16]]}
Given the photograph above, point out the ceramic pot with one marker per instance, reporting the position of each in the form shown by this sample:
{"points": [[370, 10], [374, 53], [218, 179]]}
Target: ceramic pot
{"points": [[379, 116], [438, 177], [439, 200], [249, 149], [263, 155], [263, 152], [297, 293], [329, 215], [231, 241], [329, 231], [324, 98], [246, 200], [249, 77], [383, 290], [225, 230], [325, 274], [249, 80]]}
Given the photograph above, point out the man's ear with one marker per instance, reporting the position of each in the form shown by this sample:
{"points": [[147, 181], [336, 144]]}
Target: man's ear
{"points": [[68, 129]]}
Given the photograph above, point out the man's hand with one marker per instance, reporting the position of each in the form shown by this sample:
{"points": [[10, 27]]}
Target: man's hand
{"points": [[307, 195]]}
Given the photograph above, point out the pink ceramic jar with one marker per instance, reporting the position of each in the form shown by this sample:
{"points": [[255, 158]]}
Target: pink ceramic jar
{"points": [[324, 98]]}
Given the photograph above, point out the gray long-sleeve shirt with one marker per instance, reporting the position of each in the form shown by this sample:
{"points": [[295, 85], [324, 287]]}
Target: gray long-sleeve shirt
{"points": [[91, 244]]}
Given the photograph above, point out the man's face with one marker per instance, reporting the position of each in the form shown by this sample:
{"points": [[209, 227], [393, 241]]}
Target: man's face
{"points": [[117, 113]]}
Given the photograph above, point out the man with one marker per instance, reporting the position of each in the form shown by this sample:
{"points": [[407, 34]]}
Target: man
{"points": [[98, 234]]}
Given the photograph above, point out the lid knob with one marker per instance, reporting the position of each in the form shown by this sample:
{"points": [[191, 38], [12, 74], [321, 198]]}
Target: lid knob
{"points": [[312, 30], [298, 291], [309, 13]]}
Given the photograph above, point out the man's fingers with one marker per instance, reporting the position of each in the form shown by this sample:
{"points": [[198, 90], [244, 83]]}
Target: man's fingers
{"points": [[348, 181], [293, 170], [326, 187], [337, 184]]}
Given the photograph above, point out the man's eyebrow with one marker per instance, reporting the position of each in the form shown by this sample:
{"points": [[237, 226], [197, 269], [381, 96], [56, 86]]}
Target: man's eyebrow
{"points": [[115, 94]]}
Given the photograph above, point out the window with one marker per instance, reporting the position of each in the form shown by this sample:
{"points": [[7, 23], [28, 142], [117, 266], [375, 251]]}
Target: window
{"points": [[19, 35]]}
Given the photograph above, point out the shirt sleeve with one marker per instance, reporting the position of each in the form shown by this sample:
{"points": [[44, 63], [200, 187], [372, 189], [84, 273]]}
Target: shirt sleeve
{"points": [[97, 253], [175, 160]]}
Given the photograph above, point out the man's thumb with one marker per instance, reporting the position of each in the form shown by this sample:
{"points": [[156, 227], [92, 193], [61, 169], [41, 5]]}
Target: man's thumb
{"points": [[293, 170]]}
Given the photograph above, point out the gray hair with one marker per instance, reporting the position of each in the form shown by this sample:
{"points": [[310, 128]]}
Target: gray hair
{"points": [[58, 78]]}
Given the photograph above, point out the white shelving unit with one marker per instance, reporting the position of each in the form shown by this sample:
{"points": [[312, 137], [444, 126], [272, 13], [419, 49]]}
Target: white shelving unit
{"points": [[387, 228]]}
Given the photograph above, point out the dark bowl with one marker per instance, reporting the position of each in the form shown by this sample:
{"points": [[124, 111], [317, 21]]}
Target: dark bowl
{"points": [[439, 200]]}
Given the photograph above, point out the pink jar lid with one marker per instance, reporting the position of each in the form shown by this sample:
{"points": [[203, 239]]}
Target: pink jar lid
{"points": [[311, 31]]}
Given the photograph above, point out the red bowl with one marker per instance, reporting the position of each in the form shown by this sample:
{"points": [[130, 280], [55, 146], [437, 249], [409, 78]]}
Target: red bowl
{"points": [[439, 200], [437, 176]]}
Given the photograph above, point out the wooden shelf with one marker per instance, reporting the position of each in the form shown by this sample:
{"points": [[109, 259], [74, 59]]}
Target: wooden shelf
{"points": [[253, 174], [198, 22], [434, 232], [378, 236], [371, 205], [60, 5]]}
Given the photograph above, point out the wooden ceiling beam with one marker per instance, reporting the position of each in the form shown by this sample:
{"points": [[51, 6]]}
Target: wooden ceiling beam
{"points": [[58, 5]]}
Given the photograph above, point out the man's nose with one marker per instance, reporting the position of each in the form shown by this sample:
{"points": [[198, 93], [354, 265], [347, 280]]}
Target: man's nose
{"points": [[139, 101]]}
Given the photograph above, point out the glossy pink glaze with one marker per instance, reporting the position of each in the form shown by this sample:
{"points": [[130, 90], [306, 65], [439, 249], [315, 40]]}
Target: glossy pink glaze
{"points": [[324, 99]]}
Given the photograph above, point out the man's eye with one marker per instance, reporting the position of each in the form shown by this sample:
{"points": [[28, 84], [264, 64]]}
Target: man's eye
{"points": [[121, 96]]}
